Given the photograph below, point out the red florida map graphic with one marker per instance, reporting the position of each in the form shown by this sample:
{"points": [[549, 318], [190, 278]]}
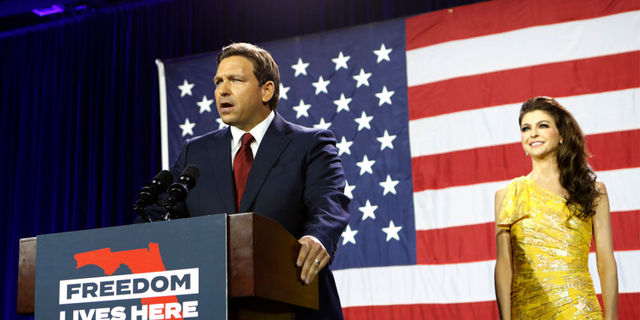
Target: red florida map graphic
{"points": [[138, 260]]}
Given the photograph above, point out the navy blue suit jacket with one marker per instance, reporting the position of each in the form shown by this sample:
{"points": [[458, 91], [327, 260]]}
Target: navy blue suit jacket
{"points": [[296, 179]]}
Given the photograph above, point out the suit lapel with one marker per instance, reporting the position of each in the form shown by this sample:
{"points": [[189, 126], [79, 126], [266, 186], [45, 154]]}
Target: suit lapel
{"points": [[275, 140], [219, 154]]}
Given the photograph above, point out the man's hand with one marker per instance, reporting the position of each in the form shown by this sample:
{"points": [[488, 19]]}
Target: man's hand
{"points": [[312, 258]]}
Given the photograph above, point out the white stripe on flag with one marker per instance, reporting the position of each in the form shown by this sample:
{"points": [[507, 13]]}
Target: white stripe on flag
{"points": [[442, 208], [416, 284], [628, 266], [538, 45], [596, 113], [452, 283], [622, 186]]}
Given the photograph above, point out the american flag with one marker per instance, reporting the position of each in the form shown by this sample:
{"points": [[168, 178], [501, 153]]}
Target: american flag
{"points": [[425, 111]]}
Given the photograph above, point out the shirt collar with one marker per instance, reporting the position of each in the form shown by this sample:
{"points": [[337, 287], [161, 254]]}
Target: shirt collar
{"points": [[257, 132]]}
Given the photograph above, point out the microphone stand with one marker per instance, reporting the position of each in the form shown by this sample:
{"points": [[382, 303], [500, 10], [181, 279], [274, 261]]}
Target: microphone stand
{"points": [[169, 209], [140, 211]]}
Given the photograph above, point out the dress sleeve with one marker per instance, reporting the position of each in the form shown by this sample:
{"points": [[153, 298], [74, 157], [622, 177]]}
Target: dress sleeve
{"points": [[515, 205]]}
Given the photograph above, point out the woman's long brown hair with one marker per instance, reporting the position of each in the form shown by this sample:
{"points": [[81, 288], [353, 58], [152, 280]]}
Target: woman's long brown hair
{"points": [[576, 176]]}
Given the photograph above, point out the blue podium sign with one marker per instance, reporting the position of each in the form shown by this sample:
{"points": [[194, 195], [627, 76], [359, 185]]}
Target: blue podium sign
{"points": [[162, 270]]}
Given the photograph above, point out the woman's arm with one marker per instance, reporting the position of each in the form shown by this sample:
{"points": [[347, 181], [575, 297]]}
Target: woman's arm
{"points": [[607, 267], [503, 273]]}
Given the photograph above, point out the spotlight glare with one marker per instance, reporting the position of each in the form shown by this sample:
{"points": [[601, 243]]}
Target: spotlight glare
{"points": [[47, 11]]}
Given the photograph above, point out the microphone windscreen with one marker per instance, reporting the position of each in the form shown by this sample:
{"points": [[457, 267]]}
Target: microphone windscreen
{"points": [[164, 179], [191, 173]]}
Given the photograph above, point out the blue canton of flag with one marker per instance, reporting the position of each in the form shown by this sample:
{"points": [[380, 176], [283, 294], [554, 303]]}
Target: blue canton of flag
{"points": [[352, 82]]}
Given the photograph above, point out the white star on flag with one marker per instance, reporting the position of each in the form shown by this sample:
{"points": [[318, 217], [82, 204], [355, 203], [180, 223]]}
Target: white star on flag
{"points": [[187, 127], [205, 105], [322, 124], [349, 235], [300, 67], [368, 211], [365, 165], [389, 186], [343, 146], [348, 190], [341, 61], [362, 78], [392, 231], [363, 121], [221, 124], [321, 85], [384, 96], [283, 91], [343, 103], [383, 53], [386, 140], [185, 88], [301, 109]]}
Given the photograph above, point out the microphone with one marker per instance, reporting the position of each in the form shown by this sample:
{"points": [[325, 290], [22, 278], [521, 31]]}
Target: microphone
{"points": [[180, 190], [149, 194]]}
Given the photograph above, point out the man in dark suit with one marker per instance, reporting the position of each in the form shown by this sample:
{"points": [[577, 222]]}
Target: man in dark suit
{"points": [[296, 178]]}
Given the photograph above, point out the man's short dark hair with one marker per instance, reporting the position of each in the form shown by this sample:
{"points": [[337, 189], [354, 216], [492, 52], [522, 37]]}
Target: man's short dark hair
{"points": [[264, 68]]}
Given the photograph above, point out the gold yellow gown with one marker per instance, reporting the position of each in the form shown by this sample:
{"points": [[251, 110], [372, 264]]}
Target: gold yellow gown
{"points": [[551, 277]]}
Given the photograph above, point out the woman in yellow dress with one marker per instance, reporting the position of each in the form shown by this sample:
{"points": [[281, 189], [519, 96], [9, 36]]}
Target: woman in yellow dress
{"points": [[545, 221]]}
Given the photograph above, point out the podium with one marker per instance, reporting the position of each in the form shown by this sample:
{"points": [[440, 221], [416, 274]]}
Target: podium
{"points": [[261, 276]]}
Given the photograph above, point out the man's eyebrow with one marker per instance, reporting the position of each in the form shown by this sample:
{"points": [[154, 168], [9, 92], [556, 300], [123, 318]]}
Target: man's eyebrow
{"points": [[228, 75]]}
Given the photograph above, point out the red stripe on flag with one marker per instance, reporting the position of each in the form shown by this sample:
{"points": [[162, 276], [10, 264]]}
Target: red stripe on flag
{"points": [[475, 310], [625, 226], [628, 308], [560, 79], [481, 19], [456, 245], [628, 305], [477, 242], [615, 150], [467, 167]]}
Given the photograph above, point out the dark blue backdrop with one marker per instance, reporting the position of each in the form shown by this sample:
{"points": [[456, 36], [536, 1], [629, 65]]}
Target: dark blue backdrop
{"points": [[79, 102]]}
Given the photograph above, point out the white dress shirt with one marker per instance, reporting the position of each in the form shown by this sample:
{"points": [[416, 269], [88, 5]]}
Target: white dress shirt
{"points": [[257, 132]]}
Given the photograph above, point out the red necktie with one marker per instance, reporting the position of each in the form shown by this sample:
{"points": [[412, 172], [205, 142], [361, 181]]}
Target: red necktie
{"points": [[242, 165]]}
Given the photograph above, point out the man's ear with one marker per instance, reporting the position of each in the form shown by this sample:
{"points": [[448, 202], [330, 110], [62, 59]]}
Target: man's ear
{"points": [[267, 91]]}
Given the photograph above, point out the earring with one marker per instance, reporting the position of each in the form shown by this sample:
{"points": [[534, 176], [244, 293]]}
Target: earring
{"points": [[526, 153], [560, 142]]}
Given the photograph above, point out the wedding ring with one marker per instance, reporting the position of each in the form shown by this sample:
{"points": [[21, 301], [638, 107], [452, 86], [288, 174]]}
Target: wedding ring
{"points": [[316, 261]]}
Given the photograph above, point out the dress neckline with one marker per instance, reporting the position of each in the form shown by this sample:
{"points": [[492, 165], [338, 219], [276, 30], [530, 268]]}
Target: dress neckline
{"points": [[543, 189]]}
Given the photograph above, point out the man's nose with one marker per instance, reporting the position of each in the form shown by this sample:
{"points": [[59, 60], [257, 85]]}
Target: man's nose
{"points": [[222, 89]]}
